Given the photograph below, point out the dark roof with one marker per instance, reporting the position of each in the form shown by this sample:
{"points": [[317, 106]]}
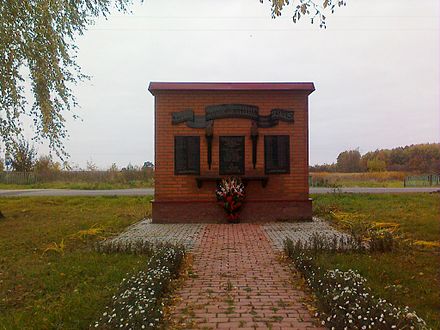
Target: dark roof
{"points": [[209, 86]]}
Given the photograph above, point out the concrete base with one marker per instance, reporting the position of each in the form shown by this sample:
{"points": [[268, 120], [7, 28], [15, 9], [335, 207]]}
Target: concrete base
{"points": [[212, 212]]}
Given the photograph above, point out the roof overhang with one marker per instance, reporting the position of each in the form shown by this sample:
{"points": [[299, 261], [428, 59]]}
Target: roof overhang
{"points": [[307, 87]]}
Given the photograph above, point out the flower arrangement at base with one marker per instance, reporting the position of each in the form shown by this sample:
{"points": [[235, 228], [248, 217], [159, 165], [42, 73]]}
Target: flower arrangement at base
{"points": [[230, 194]]}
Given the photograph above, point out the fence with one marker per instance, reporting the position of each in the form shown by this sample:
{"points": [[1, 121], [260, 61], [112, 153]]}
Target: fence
{"points": [[427, 180], [18, 178], [22, 178]]}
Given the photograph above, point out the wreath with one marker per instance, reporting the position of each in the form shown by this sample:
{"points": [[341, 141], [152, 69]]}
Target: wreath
{"points": [[230, 195]]}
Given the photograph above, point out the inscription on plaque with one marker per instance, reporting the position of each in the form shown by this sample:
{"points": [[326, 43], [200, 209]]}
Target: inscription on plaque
{"points": [[276, 154], [231, 155], [220, 111], [187, 155]]}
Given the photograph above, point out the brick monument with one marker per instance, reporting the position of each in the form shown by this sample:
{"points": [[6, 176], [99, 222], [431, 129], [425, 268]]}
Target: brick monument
{"points": [[208, 131]]}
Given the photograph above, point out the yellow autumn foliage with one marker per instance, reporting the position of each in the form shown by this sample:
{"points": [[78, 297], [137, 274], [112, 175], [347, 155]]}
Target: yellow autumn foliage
{"points": [[55, 247], [90, 232], [427, 244], [388, 226]]}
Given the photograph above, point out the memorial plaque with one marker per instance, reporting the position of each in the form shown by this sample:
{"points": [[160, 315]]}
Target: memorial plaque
{"points": [[221, 111], [276, 154], [187, 155], [231, 155]]}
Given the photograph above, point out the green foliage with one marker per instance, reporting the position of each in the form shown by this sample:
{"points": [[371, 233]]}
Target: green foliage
{"points": [[348, 161], [417, 157], [37, 48], [376, 165], [23, 156], [2, 165]]}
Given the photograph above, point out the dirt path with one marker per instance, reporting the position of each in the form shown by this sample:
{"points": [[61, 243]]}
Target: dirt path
{"points": [[238, 283]]}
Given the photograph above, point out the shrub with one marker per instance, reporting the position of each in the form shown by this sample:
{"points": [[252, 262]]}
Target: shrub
{"points": [[344, 299], [45, 166], [376, 165], [23, 156], [139, 303]]}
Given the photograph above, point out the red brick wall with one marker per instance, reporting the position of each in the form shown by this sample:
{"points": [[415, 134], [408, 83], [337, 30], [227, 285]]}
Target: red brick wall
{"points": [[293, 186]]}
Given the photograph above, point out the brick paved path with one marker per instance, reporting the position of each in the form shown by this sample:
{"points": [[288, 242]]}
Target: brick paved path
{"points": [[238, 283]]}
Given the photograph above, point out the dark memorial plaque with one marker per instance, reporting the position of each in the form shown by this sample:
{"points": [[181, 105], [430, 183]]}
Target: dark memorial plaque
{"points": [[221, 111], [231, 155], [187, 155], [276, 154]]}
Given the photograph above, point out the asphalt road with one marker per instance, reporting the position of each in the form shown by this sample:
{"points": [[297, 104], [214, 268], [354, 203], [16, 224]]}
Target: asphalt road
{"points": [[150, 191]]}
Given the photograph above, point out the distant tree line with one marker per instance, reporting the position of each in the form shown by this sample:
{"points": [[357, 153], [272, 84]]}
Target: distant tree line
{"points": [[24, 158], [422, 158]]}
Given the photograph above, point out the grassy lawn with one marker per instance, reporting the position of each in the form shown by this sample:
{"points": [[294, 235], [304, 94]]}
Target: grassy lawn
{"points": [[64, 287], [408, 276], [364, 179], [370, 184], [68, 287], [81, 185]]}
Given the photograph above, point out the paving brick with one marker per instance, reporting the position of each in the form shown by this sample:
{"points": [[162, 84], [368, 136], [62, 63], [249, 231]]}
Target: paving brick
{"points": [[278, 232], [240, 282], [145, 231]]}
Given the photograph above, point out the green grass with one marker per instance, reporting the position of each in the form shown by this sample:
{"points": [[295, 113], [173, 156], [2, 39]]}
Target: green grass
{"points": [[81, 185], [407, 276], [370, 184], [362, 179], [417, 214], [61, 290]]}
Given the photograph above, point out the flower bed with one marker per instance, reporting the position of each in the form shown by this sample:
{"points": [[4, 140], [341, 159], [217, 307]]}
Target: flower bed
{"points": [[139, 246], [139, 303], [344, 299]]}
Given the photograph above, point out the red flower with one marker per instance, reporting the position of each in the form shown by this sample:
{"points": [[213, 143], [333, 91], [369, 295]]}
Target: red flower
{"points": [[231, 195]]}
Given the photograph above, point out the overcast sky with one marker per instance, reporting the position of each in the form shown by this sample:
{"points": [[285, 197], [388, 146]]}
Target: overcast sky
{"points": [[375, 69]]}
